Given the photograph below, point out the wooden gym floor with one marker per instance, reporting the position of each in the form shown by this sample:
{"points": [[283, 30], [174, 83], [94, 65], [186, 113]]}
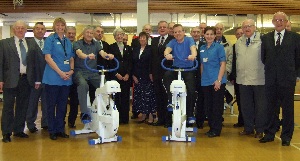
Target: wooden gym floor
{"points": [[142, 142]]}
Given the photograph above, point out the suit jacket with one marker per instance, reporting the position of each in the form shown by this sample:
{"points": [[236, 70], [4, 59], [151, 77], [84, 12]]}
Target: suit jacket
{"points": [[125, 60], [198, 73], [281, 62], [35, 69], [100, 60], [10, 62], [141, 66], [157, 56]]}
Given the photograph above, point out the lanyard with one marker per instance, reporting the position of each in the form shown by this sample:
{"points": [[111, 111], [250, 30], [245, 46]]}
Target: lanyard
{"points": [[63, 45]]}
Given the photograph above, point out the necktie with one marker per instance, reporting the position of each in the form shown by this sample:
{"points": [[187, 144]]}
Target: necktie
{"points": [[162, 41], [201, 39], [248, 41], [278, 39], [101, 44], [23, 52], [41, 44]]}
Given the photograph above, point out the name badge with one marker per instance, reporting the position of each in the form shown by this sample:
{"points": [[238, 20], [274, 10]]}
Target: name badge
{"points": [[58, 43], [205, 60], [201, 51], [66, 62]]}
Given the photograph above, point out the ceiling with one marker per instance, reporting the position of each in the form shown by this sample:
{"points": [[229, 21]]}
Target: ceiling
{"points": [[169, 6], [191, 12]]}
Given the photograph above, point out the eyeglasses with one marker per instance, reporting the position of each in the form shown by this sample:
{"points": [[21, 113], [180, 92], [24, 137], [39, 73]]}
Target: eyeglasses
{"points": [[278, 20], [247, 26]]}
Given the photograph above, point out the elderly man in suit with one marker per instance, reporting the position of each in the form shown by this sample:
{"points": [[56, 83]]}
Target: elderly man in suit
{"points": [[15, 61], [280, 53], [37, 91], [157, 72]]}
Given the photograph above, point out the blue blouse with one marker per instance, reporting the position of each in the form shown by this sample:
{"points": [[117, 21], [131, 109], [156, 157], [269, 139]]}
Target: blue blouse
{"points": [[210, 59], [60, 51]]}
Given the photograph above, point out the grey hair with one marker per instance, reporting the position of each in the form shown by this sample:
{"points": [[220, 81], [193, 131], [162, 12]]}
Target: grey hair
{"points": [[88, 28], [19, 22], [118, 30], [71, 28]]}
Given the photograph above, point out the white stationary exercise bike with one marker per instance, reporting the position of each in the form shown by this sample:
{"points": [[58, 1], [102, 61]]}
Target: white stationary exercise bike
{"points": [[179, 118], [104, 113]]}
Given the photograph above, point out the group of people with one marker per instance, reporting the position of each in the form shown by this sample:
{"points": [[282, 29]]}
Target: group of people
{"points": [[262, 68]]}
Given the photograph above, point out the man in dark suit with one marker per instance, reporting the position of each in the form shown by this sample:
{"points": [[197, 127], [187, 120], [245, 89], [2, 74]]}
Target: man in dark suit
{"points": [[232, 79], [37, 91], [200, 110], [158, 47], [123, 54], [74, 102], [15, 57], [98, 36], [280, 53]]}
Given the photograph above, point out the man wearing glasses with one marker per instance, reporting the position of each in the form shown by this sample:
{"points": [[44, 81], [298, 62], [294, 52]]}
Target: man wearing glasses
{"points": [[281, 55]]}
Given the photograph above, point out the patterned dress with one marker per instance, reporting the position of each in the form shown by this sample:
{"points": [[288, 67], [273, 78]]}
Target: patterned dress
{"points": [[144, 98]]}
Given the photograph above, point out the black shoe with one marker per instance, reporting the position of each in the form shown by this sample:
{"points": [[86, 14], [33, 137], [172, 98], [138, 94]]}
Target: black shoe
{"points": [[238, 125], [167, 125], [158, 123], [71, 125], [33, 130], [134, 117], [45, 127], [285, 143], [207, 133], [21, 135], [62, 134], [200, 126], [6, 138], [53, 136], [142, 121], [265, 140], [212, 134]]}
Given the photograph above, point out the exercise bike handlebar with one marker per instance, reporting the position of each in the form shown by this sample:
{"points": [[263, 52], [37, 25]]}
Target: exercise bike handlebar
{"points": [[180, 69], [102, 67]]}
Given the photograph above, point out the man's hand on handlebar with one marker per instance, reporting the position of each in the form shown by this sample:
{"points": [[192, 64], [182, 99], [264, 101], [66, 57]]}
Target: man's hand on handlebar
{"points": [[191, 57], [91, 56], [109, 56], [169, 56]]}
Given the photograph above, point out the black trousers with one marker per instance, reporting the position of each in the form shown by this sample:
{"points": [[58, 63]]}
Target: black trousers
{"points": [[285, 95], [214, 103], [201, 111], [13, 119], [190, 83], [73, 104], [161, 101], [238, 101], [122, 101]]}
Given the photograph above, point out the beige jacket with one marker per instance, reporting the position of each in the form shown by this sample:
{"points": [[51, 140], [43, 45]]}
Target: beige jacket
{"points": [[249, 67]]}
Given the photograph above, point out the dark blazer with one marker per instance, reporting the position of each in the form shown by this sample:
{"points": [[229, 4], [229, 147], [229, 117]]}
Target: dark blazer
{"points": [[100, 60], [39, 65], [141, 66], [281, 62], [10, 62], [125, 60], [157, 56], [198, 72], [232, 75]]}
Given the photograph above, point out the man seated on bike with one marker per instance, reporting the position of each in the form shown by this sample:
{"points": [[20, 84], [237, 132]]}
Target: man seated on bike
{"points": [[84, 48], [182, 51]]}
